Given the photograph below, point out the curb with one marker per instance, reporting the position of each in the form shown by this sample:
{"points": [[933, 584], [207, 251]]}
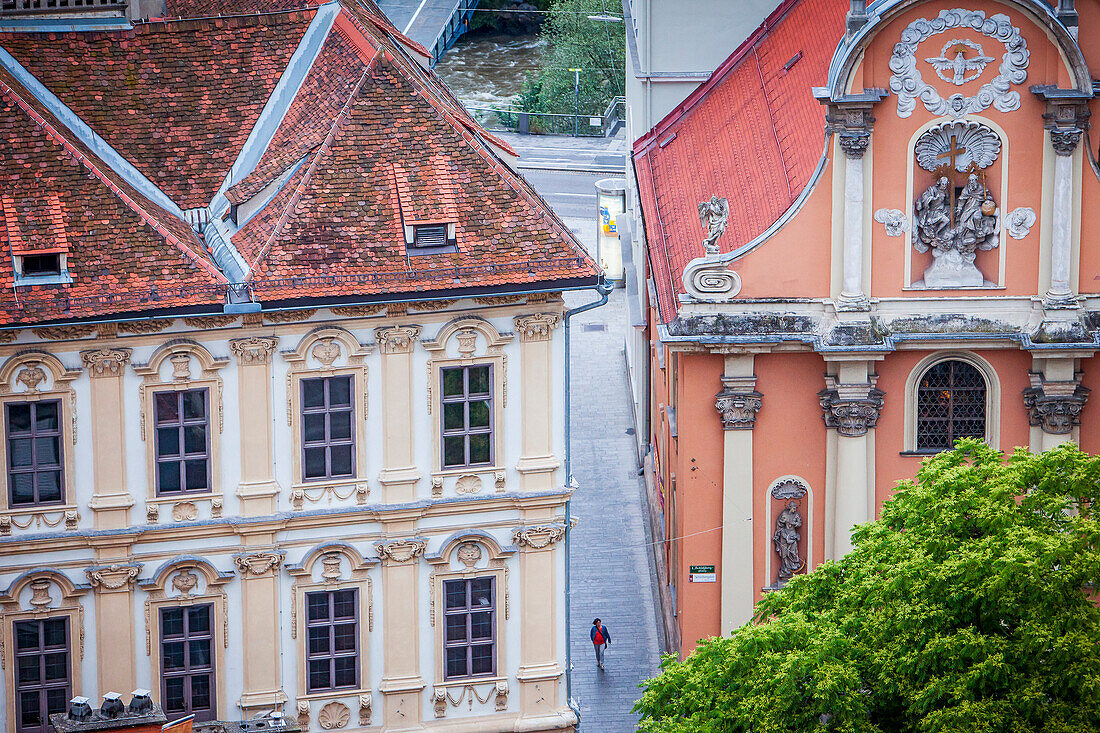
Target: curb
{"points": [[573, 168]]}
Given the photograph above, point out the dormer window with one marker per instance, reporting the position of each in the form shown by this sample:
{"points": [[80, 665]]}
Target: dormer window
{"points": [[430, 238], [41, 268], [36, 265]]}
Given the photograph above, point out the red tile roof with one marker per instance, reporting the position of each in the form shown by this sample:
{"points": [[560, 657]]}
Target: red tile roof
{"points": [[125, 252], [179, 99], [752, 133]]}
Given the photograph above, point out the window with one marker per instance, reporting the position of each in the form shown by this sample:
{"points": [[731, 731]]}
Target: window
{"points": [[467, 416], [44, 264], [427, 239], [187, 661], [328, 445], [951, 403], [34, 453], [183, 442], [42, 684], [470, 623], [332, 640]]}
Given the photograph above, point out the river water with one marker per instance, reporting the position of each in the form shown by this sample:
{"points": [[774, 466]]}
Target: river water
{"points": [[487, 70]]}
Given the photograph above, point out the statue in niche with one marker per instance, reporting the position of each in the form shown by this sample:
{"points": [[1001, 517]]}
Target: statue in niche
{"points": [[786, 539], [955, 231], [956, 217]]}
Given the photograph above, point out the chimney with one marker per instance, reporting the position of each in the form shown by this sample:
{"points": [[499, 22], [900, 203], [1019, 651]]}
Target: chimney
{"points": [[141, 702], [112, 706], [80, 708]]}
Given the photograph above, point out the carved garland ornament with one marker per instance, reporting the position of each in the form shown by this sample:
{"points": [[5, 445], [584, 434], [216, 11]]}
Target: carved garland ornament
{"points": [[113, 577], [906, 80], [538, 537], [400, 551], [258, 563]]}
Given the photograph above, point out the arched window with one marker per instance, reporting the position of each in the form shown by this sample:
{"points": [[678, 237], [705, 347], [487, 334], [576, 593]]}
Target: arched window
{"points": [[951, 404]]}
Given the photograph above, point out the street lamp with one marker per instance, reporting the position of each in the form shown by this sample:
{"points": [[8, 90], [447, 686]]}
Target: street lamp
{"points": [[576, 100]]}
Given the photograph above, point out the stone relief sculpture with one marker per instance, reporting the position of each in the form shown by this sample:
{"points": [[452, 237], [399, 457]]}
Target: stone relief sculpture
{"points": [[785, 539], [713, 215], [1019, 222], [955, 221], [893, 220], [959, 62]]}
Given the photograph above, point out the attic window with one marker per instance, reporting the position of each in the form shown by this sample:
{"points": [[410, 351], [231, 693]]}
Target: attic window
{"points": [[41, 268], [38, 265], [425, 239]]}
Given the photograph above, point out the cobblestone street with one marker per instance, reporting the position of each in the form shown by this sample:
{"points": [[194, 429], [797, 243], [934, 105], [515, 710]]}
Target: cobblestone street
{"points": [[610, 574]]}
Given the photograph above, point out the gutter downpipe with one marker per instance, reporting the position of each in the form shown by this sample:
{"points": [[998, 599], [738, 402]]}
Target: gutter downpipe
{"points": [[603, 288]]}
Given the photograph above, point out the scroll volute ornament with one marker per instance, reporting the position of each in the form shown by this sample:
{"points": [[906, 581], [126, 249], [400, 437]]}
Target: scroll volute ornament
{"points": [[536, 327], [112, 577], [259, 563], [400, 551], [538, 537], [254, 349], [396, 339], [106, 362]]}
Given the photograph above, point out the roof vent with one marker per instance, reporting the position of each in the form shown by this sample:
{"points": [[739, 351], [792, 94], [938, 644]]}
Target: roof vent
{"points": [[140, 702], [112, 706], [80, 708]]}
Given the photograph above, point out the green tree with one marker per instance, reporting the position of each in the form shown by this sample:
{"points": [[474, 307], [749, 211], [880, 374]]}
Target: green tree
{"points": [[968, 606], [576, 41]]}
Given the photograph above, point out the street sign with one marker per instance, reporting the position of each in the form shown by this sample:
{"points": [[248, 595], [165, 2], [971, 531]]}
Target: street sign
{"points": [[702, 574]]}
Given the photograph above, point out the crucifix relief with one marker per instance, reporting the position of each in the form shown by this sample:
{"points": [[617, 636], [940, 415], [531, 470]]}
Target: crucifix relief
{"points": [[956, 216]]}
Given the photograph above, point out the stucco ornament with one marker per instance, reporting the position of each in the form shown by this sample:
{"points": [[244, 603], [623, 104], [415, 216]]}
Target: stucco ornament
{"points": [[1019, 222], [952, 64], [334, 715], [469, 554], [185, 581], [1055, 406], [738, 409], [538, 537], [400, 550], [961, 144], [850, 409], [40, 594], [894, 221], [31, 376], [962, 61], [713, 215], [326, 351]]}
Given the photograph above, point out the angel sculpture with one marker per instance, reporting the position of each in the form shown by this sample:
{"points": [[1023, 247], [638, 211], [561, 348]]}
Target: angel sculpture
{"points": [[713, 215], [959, 66]]}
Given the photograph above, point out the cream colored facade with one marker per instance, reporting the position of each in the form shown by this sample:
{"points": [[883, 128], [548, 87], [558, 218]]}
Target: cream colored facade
{"points": [[262, 538]]}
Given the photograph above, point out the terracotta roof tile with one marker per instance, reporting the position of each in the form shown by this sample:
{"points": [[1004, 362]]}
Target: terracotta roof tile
{"points": [[752, 133], [177, 99]]}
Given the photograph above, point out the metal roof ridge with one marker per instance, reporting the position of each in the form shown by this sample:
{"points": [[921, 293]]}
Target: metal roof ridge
{"points": [[102, 150], [279, 103]]}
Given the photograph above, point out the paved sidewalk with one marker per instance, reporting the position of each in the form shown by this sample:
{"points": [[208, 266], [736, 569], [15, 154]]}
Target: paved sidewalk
{"points": [[611, 574]]}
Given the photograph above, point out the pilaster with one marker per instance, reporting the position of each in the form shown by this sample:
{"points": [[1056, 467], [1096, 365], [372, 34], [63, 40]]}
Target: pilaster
{"points": [[538, 464], [1066, 118], [114, 622], [539, 672], [257, 491], [111, 500], [851, 119], [851, 406], [401, 684], [737, 405], [259, 570], [399, 473]]}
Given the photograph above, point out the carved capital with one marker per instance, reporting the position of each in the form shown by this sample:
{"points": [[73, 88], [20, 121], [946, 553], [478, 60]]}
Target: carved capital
{"points": [[113, 577], [537, 537], [536, 327], [254, 349], [1055, 406], [851, 409], [1065, 140], [106, 362], [738, 403], [259, 563], [396, 339], [400, 551], [854, 144]]}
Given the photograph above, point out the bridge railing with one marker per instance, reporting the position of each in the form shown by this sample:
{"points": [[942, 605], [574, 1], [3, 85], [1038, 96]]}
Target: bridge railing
{"points": [[510, 119], [456, 25]]}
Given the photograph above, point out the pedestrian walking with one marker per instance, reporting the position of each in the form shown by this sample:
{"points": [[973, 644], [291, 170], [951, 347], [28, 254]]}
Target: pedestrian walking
{"points": [[601, 637]]}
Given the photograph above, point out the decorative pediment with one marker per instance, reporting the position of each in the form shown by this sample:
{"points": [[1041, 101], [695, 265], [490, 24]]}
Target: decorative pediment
{"points": [[41, 590], [179, 353], [326, 348], [332, 562], [467, 336], [33, 372]]}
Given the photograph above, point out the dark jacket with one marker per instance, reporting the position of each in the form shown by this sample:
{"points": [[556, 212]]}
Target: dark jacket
{"points": [[603, 630]]}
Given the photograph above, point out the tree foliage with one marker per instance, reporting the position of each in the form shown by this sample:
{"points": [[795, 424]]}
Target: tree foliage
{"points": [[576, 41], [968, 606]]}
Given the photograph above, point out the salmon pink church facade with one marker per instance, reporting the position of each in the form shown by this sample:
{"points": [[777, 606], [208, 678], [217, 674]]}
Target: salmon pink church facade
{"points": [[870, 233]]}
